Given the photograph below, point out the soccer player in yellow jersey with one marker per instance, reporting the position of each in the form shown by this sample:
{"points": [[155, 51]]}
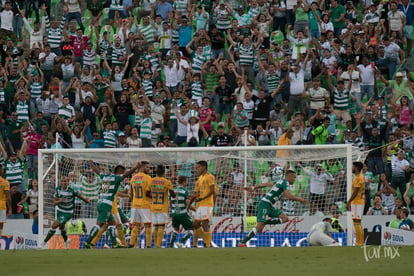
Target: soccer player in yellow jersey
{"points": [[5, 200], [204, 192], [140, 211], [159, 189], [356, 202]]}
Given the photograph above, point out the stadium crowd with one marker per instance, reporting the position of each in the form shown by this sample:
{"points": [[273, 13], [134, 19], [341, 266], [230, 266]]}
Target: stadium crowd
{"points": [[146, 73]]}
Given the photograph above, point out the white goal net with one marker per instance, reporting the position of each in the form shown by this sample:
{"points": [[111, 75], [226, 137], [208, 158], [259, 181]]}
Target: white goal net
{"points": [[323, 179]]}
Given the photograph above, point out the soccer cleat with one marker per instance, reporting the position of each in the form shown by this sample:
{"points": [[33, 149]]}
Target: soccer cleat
{"points": [[118, 246], [179, 245], [242, 245], [44, 246], [131, 246], [88, 245], [67, 243], [106, 246]]}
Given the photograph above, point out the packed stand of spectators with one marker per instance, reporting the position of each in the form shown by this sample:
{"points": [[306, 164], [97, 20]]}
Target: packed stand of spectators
{"points": [[110, 73]]}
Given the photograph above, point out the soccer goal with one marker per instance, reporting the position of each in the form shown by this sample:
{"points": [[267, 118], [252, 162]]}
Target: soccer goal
{"points": [[236, 170]]}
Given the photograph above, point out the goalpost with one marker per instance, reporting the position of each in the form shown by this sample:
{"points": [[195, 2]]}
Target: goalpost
{"points": [[234, 168]]}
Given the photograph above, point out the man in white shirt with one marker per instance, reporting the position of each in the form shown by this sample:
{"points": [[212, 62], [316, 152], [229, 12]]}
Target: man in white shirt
{"points": [[47, 61], [393, 55], [399, 167], [367, 75], [320, 234], [318, 179], [297, 87], [6, 27], [171, 74]]}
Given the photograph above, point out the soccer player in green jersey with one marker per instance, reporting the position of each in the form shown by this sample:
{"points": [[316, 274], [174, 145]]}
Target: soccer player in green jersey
{"points": [[65, 203], [266, 213], [111, 183], [180, 206]]}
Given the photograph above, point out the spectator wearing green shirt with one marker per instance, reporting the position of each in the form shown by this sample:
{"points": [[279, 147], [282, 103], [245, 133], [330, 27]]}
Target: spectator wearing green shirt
{"points": [[321, 132], [337, 16]]}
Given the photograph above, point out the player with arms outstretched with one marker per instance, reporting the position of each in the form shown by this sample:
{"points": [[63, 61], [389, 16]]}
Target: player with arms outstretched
{"points": [[65, 203], [266, 213], [320, 234], [140, 211], [204, 191], [180, 206], [111, 183], [356, 202], [159, 189]]}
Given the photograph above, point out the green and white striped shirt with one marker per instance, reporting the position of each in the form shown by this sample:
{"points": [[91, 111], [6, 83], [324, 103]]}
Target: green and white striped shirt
{"points": [[90, 189], [14, 171], [341, 99], [173, 104], [109, 138], [197, 89], [179, 205], [22, 109], [146, 126], [198, 62], [68, 204], [246, 54], [66, 111], [109, 187], [55, 36], [147, 85], [35, 89], [272, 81], [148, 32]]}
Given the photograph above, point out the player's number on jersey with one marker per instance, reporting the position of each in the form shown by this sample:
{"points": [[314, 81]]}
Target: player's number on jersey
{"points": [[138, 192], [158, 197]]}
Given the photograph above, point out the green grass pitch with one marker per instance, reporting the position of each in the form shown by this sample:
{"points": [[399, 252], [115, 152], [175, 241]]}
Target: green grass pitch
{"points": [[232, 261]]}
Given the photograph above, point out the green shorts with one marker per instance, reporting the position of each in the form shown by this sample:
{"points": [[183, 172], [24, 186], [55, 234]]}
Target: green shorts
{"points": [[265, 210], [104, 213], [122, 216], [62, 217], [182, 219]]}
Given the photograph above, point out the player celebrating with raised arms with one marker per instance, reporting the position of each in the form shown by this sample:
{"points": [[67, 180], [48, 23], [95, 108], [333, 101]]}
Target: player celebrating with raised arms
{"points": [[180, 216], [111, 183], [141, 202], [65, 203], [204, 191], [356, 202], [320, 234], [266, 213], [159, 189]]}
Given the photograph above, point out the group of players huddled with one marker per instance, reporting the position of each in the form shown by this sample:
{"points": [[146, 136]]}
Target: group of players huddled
{"points": [[150, 205]]}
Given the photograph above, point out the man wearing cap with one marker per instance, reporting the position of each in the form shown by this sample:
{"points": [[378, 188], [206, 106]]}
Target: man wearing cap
{"points": [[243, 19], [320, 234], [122, 140], [400, 87]]}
